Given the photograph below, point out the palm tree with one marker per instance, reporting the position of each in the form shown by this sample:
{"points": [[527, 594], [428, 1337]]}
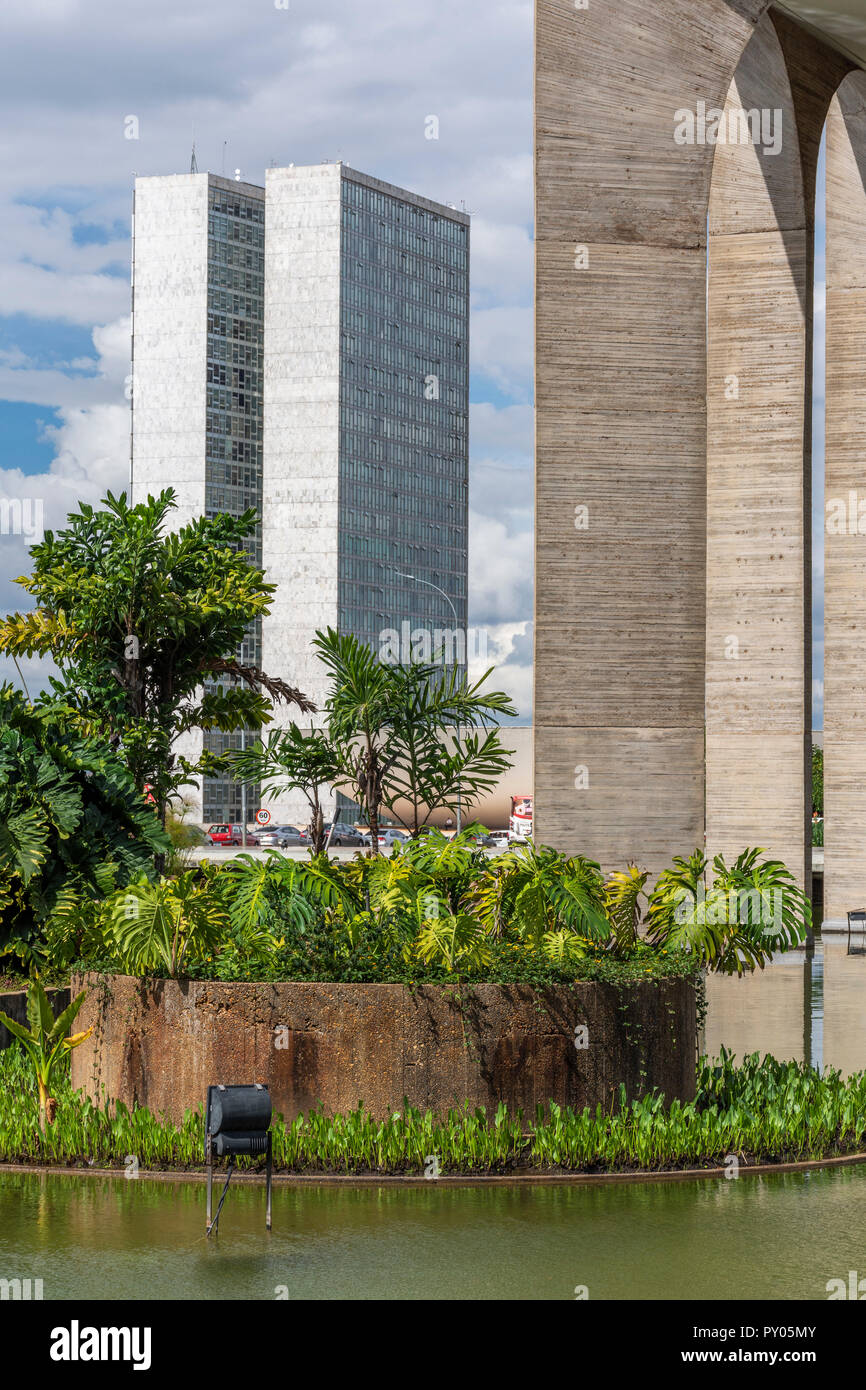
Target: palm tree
{"points": [[288, 759], [388, 723]]}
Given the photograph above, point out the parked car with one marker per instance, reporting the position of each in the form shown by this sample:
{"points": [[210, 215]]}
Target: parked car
{"points": [[392, 836], [230, 835], [280, 836], [343, 834]]}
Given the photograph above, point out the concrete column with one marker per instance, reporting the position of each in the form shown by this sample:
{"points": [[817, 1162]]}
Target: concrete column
{"points": [[621, 211], [170, 281], [845, 514], [301, 456], [758, 731]]}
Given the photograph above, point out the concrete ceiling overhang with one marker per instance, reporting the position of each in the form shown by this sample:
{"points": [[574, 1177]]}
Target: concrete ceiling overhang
{"points": [[842, 25]]}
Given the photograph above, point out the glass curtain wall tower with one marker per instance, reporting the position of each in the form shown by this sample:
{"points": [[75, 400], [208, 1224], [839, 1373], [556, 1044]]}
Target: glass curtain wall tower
{"points": [[303, 349]]}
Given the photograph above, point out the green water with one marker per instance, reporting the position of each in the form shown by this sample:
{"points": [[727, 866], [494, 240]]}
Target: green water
{"points": [[780, 1237]]}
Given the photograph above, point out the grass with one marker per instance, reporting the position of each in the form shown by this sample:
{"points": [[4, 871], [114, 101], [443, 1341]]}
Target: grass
{"points": [[763, 1110]]}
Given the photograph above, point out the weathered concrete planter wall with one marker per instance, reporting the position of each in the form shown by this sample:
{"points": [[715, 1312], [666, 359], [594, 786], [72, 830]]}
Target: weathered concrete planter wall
{"points": [[160, 1043], [15, 1005]]}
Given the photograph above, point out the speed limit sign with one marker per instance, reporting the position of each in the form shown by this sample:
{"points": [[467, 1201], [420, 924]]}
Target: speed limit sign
{"points": [[262, 817]]}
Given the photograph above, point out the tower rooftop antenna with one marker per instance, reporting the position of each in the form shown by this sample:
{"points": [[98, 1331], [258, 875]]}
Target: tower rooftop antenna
{"points": [[193, 163]]}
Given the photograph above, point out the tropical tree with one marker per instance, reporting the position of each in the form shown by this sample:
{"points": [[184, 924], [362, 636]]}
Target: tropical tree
{"points": [[73, 825], [437, 764], [145, 625], [388, 723], [293, 758], [46, 1041]]}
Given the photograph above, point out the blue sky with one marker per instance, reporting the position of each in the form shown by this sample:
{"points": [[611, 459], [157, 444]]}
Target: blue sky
{"points": [[321, 79]]}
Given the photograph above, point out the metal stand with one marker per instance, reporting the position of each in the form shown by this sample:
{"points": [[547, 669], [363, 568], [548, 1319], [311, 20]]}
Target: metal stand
{"points": [[208, 1149], [268, 1169], [856, 922], [237, 1123]]}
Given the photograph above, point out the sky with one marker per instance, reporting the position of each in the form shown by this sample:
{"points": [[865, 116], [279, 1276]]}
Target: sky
{"points": [[255, 83]]}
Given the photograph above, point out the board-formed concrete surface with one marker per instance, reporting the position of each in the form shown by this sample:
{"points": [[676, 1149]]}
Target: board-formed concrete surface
{"points": [[845, 508], [673, 457], [758, 754]]}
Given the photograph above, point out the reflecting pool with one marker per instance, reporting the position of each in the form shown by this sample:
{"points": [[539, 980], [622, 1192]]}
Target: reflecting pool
{"points": [[778, 1237]]}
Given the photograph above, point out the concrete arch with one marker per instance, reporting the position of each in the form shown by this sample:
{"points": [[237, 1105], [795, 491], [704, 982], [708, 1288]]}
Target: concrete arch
{"points": [[621, 212], [621, 408], [758, 725], [845, 506]]}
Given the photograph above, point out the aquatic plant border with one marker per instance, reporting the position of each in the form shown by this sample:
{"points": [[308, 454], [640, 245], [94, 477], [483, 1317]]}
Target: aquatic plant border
{"points": [[445, 1179]]}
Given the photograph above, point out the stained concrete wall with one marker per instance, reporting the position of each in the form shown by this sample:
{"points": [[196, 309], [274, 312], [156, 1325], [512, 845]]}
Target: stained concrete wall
{"points": [[161, 1043]]}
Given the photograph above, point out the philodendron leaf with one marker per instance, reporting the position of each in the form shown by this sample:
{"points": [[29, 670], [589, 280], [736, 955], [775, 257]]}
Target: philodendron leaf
{"points": [[39, 1012]]}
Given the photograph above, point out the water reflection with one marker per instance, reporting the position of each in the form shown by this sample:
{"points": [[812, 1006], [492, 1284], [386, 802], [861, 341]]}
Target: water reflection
{"points": [[809, 1005], [113, 1239]]}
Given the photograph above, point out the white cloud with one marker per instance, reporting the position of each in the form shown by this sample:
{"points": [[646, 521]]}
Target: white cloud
{"points": [[502, 263], [92, 449], [509, 652], [50, 294], [500, 572], [91, 455], [504, 432], [503, 348]]}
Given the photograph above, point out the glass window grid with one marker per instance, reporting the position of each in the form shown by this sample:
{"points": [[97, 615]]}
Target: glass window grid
{"points": [[233, 440], [403, 458]]}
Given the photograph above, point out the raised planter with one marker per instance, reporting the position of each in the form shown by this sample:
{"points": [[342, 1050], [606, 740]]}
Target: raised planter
{"points": [[160, 1043]]}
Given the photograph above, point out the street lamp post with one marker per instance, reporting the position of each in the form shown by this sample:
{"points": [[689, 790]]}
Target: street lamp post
{"points": [[415, 580], [244, 795]]}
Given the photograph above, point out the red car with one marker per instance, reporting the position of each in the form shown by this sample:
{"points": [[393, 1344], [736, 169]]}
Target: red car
{"points": [[229, 835]]}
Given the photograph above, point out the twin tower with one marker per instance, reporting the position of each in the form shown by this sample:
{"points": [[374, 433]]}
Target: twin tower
{"points": [[303, 349]]}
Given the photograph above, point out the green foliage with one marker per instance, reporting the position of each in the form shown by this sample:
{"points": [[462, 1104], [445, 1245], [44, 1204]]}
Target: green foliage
{"points": [[537, 891], [763, 1111], [144, 625], [184, 836], [623, 892], [156, 927], [818, 780], [73, 826], [438, 908], [458, 940], [46, 1041], [751, 910]]}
